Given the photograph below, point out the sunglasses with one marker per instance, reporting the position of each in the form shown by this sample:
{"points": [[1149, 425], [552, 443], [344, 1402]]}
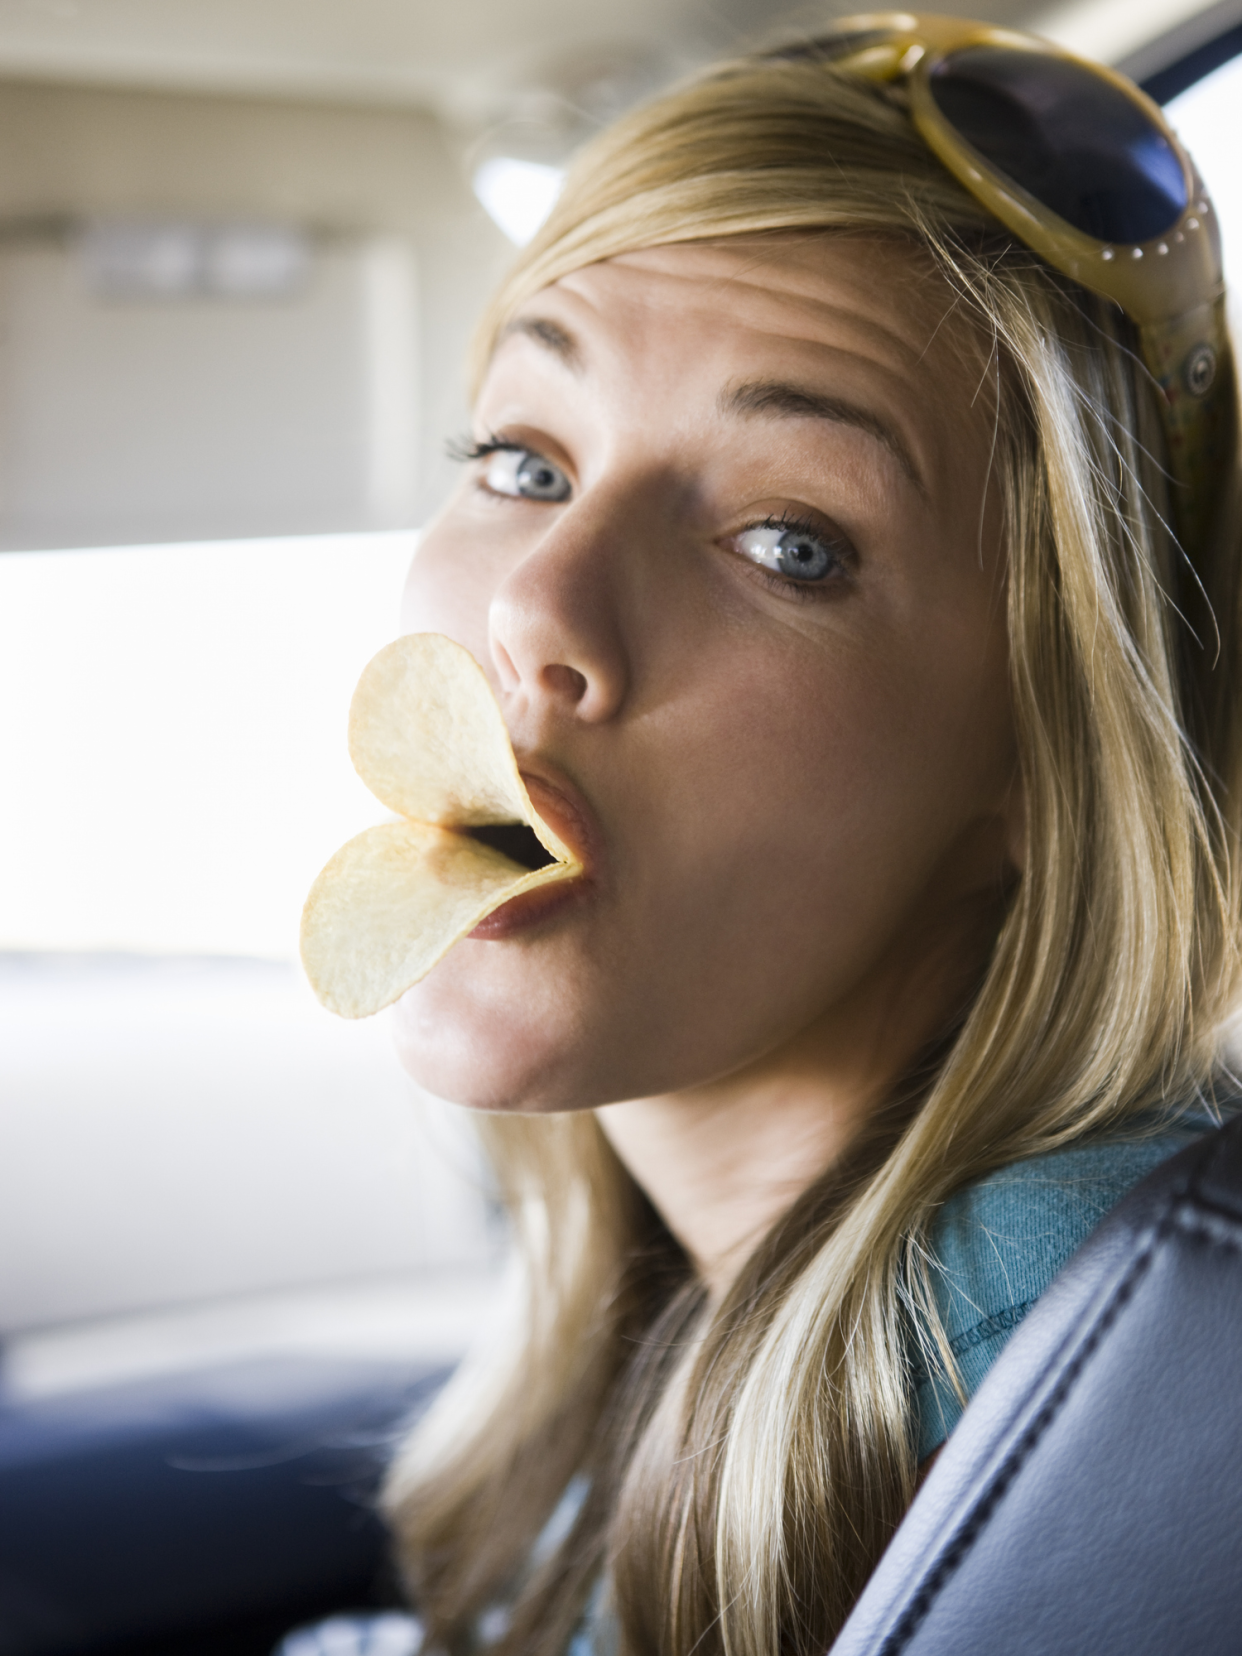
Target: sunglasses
{"points": [[1083, 168]]}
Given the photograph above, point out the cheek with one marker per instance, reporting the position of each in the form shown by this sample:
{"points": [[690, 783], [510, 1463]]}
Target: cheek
{"points": [[450, 584], [787, 780], [827, 784], [835, 739], [791, 822]]}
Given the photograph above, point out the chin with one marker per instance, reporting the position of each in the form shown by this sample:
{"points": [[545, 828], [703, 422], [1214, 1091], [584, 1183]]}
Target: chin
{"points": [[517, 1041], [497, 1028], [486, 1060]]}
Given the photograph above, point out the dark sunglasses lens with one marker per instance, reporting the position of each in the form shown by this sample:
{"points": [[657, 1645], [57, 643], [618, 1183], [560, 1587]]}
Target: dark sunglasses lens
{"points": [[1067, 136]]}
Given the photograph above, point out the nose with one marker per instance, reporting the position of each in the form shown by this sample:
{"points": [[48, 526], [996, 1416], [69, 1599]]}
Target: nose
{"points": [[555, 625]]}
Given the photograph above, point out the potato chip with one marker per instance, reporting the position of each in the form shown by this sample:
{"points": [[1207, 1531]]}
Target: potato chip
{"points": [[428, 739]]}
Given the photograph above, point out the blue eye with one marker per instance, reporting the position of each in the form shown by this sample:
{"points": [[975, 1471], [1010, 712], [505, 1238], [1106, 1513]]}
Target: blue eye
{"points": [[795, 551], [525, 475]]}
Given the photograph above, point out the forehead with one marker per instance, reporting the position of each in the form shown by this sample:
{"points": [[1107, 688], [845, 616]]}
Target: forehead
{"points": [[885, 286], [866, 317]]}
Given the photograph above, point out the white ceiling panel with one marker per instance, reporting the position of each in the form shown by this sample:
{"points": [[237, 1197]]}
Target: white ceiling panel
{"points": [[419, 51], [464, 60]]}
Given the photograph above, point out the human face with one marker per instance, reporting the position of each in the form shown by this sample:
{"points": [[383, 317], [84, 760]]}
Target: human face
{"points": [[735, 578]]}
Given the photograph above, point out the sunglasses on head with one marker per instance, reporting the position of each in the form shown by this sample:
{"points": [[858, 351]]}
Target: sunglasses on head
{"points": [[1082, 167]]}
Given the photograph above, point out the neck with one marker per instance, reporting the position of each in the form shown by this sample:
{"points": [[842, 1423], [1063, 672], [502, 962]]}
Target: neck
{"points": [[721, 1162]]}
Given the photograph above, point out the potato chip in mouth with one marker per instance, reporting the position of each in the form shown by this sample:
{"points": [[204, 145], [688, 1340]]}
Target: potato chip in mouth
{"points": [[428, 739]]}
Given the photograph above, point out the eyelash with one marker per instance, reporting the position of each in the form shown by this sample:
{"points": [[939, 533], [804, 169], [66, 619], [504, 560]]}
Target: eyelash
{"points": [[470, 448], [802, 592]]}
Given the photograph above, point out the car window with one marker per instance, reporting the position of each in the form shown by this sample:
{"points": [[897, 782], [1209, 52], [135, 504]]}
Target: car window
{"points": [[1208, 116], [182, 1124]]}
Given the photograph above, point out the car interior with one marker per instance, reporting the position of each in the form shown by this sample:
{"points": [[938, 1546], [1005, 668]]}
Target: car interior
{"points": [[242, 246], [1088, 1499]]}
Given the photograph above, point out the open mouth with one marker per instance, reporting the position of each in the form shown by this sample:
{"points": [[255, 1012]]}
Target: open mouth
{"points": [[515, 840], [428, 737]]}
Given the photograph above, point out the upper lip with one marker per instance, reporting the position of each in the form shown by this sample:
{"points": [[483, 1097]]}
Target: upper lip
{"points": [[565, 810]]}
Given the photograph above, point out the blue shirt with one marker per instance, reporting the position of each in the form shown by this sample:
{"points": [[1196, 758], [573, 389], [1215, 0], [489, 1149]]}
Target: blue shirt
{"points": [[997, 1244]]}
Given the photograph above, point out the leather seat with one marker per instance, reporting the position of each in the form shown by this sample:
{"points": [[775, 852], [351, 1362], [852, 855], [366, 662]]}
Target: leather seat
{"points": [[1091, 1498]]}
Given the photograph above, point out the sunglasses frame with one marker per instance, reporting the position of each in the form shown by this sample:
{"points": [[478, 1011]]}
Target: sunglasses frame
{"points": [[1172, 287]]}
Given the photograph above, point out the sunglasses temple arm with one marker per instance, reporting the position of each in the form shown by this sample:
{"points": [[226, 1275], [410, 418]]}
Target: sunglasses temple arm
{"points": [[1190, 358]]}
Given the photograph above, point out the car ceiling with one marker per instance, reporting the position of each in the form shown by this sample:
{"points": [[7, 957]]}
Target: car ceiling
{"points": [[472, 63]]}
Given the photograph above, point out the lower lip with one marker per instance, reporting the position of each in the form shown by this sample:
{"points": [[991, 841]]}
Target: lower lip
{"points": [[531, 909]]}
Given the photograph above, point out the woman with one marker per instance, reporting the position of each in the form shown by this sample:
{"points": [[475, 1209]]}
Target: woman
{"points": [[814, 535]]}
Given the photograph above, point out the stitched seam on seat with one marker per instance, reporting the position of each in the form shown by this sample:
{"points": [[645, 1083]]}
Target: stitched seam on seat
{"points": [[1221, 1152], [1214, 1226], [954, 1554]]}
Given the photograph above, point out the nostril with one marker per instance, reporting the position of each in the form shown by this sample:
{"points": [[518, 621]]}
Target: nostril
{"points": [[565, 681]]}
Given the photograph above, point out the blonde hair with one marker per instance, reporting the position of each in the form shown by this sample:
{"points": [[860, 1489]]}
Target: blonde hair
{"points": [[748, 1460]]}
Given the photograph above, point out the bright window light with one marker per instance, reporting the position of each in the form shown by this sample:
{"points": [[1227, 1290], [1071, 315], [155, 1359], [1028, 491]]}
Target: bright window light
{"points": [[1208, 118], [173, 737], [518, 195]]}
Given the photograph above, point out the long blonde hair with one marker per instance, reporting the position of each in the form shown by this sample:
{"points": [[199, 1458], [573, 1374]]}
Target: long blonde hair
{"points": [[746, 1461]]}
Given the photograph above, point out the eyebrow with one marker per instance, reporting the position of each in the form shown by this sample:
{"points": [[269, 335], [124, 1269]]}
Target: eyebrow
{"points": [[551, 336], [763, 397], [774, 397]]}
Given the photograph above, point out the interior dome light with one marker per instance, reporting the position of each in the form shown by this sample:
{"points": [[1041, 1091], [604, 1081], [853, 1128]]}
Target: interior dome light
{"points": [[517, 195]]}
